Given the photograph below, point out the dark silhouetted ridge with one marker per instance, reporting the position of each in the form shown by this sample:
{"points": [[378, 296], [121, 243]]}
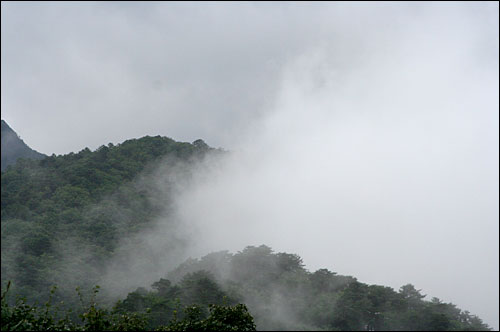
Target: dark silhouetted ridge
{"points": [[14, 148]]}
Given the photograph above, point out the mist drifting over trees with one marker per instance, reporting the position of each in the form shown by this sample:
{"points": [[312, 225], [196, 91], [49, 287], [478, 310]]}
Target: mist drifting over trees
{"points": [[362, 137]]}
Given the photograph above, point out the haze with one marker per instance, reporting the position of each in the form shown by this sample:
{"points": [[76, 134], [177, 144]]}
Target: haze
{"points": [[363, 137]]}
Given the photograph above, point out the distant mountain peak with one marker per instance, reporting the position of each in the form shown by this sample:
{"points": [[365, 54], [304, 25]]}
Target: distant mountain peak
{"points": [[13, 147]]}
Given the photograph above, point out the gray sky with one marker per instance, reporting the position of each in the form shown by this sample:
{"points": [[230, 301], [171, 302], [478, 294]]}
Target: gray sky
{"points": [[365, 135]]}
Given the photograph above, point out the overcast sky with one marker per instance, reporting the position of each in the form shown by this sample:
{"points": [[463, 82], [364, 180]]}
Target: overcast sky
{"points": [[365, 135]]}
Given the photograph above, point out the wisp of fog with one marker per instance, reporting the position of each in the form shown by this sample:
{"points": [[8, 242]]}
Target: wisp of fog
{"points": [[379, 159], [362, 137]]}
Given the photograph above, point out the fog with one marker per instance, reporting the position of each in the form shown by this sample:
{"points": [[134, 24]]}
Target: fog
{"points": [[389, 194], [363, 137]]}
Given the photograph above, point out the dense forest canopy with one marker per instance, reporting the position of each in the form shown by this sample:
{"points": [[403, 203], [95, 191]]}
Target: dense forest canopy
{"points": [[63, 218], [87, 199]]}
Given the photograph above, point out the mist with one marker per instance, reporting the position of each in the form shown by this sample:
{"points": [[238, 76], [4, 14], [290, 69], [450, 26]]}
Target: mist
{"points": [[362, 137], [384, 168]]}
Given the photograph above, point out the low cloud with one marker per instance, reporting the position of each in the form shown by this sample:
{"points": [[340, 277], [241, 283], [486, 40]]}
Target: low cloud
{"points": [[363, 137]]}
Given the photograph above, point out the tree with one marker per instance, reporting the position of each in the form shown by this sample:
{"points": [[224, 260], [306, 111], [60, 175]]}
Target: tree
{"points": [[411, 295], [201, 288], [162, 286], [221, 318]]}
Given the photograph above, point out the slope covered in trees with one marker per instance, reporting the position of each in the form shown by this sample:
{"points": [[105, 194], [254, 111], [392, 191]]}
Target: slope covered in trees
{"points": [[22, 316], [282, 295], [279, 292], [63, 218], [14, 147]]}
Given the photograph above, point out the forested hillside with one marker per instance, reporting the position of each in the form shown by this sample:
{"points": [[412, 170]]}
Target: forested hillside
{"points": [[14, 147], [75, 208], [64, 216], [282, 295]]}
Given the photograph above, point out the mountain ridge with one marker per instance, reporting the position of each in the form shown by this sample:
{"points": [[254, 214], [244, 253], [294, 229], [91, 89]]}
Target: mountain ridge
{"points": [[13, 148], [66, 218]]}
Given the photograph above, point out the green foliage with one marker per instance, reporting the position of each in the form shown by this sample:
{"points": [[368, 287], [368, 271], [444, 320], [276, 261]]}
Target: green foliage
{"points": [[282, 295], [221, 318], [84, 202], [200, 287], [24, 317]]}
